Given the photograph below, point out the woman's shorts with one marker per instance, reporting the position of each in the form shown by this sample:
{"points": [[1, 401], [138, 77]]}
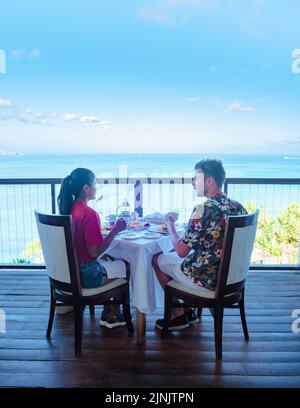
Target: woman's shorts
{"points": [[94, 273]]}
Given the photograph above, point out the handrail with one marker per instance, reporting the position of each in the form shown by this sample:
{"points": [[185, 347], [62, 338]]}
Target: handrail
{"points": [[138, 192]]}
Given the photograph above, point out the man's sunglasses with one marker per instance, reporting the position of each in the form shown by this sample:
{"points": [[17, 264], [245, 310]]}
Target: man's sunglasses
{"points": [[194, 178]]}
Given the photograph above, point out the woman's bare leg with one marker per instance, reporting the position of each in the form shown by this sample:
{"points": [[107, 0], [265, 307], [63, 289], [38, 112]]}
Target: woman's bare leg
{"points": [[114, 309]]}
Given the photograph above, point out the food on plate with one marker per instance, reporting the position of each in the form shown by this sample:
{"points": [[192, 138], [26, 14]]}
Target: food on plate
{"points": [[135, 225], [163, 228], [106, 230]]}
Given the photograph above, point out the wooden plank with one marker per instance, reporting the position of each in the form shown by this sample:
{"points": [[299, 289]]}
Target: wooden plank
{"points": [[270, 359], [111, 378]]}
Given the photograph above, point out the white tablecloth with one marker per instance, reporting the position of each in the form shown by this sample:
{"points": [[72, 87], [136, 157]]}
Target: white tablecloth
{"points": [[146, 292]]}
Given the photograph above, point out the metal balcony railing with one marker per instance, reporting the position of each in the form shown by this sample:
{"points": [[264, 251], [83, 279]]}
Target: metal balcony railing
{"points": [[278, 200]]}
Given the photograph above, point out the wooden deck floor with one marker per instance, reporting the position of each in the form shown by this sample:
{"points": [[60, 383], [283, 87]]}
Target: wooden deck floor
{"points": [[186, 359]]}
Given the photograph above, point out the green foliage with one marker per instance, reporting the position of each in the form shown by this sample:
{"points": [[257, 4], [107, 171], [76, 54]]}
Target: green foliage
{"points": [[20, 261], [279, 235], [289, 220], [32, 253]]}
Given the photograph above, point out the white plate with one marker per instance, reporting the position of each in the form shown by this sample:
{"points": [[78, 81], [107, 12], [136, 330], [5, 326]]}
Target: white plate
{"points": [[140, 227], [130, 235], [155, 228], [150, 235]]}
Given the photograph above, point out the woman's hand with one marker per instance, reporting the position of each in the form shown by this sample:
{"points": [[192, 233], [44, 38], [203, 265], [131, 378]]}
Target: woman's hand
{"points": [[120, 225], [98, 250]]}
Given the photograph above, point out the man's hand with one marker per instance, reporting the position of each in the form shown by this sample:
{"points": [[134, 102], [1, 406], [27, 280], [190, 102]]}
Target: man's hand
{"points": [[181, 248], [169, 221]]}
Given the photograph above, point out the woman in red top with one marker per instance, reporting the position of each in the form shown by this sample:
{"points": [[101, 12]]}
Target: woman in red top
{"points": [[76, 190]]}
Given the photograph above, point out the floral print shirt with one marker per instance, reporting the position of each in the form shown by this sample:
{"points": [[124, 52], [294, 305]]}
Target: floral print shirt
{"points": [[204, 235]]}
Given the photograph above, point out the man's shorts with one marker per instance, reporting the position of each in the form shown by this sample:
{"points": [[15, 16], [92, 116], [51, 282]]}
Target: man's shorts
{"points": [[170, 264]]}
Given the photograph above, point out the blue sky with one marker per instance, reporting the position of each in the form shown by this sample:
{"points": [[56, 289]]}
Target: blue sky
{"points": [[150, 76]]}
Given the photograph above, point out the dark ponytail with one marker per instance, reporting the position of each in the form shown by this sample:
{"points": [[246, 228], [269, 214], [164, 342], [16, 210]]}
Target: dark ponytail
{"points": [[71, 188]]}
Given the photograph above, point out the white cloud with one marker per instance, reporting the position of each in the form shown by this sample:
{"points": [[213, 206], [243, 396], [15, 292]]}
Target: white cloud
{"points": [[5, 102], [27, 116], [87, 120], [237, 106], [31, 117], [69, 117]]}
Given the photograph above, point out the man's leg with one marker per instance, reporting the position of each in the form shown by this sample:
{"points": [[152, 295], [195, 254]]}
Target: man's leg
{"points": [[163, 279]]}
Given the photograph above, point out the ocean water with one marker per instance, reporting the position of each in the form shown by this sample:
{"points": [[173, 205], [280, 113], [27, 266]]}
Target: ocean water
{"points": [[243, 165]]}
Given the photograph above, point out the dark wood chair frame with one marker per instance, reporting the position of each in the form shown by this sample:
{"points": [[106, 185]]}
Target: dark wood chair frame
{"points": [[227, 296], [70, 294]]}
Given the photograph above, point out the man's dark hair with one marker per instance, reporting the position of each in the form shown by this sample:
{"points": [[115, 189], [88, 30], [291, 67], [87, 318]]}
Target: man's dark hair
{"points": [[212, 168]]}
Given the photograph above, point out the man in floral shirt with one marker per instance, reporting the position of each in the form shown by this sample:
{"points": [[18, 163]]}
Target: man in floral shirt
{"points": [[201, 245]]}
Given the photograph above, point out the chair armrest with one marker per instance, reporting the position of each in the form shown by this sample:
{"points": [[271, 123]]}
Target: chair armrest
{"points": [[107, 257]]}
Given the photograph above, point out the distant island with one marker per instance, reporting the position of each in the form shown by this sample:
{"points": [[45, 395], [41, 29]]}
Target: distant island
{"points": [[5, 153]]}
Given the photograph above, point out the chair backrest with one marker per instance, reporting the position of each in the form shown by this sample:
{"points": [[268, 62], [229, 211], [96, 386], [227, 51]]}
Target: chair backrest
{"points": [[56, 237], [236, 255]]}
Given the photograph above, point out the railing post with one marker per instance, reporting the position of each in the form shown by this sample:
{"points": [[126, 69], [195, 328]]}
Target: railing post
{"points": [[53, 204], [138, 197]]}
